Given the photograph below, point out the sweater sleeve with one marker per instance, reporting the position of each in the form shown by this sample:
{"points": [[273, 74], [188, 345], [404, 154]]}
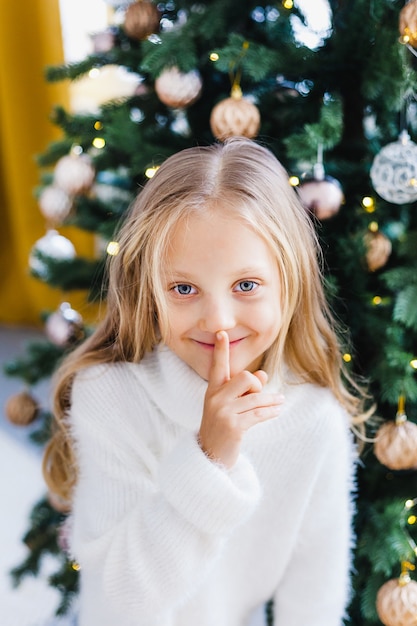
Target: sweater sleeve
{"points": [[315, 588], [147, 525]]}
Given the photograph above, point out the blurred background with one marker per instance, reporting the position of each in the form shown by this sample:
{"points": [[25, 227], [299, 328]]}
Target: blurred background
{"points": [[94, 95]]}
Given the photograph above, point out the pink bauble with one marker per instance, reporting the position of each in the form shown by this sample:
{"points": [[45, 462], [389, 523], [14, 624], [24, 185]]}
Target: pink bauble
{"points": [[104, 40], [178, 89], [74, 174], [322, 197], [64, 326]]}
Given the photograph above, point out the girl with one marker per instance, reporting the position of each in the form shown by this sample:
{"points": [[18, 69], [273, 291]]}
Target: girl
{"points": [[202, 432]]}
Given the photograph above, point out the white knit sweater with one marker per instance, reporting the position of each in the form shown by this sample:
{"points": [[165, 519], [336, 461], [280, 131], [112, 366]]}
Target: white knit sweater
{"points": [[165, 537]]}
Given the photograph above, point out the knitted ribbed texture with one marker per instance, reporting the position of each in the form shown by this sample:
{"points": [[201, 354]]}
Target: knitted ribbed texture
{"points": [[165, 537]]}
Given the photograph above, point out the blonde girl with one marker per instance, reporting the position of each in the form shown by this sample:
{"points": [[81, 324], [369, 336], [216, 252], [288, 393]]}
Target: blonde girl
{"points": [[203, 431]]}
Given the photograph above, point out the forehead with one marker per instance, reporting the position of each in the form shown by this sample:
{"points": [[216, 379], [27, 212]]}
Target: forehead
{"points": [[212, 238]]}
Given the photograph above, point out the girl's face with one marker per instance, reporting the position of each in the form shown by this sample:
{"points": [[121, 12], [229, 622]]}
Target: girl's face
{"points": [[220, 275]]}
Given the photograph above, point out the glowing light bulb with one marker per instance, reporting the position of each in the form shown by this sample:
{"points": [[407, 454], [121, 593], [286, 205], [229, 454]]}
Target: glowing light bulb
{"points": [[151, 171], [98, 125], [368, 204], [214, 56], [412, 519], [99, 142], [294, 181], [288, 4], [376, 300], [347, 357], [94, 73], [413, 363], [373, 227], [112, 248]]}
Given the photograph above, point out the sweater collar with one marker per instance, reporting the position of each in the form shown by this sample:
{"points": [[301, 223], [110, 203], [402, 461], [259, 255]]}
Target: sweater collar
{"points": [[174, 387]]}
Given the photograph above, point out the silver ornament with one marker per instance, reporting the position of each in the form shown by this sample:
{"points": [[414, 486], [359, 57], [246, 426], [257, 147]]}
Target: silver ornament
{"points": [[394, 171], [55, 204], [54, 246]]}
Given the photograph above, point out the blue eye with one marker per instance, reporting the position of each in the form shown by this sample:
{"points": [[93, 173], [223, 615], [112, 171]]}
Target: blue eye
{"points": [[246, 285], [184, 289]]}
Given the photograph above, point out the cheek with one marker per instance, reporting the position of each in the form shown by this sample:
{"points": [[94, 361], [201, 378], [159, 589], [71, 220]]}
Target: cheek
{"points": [[175, 323]]}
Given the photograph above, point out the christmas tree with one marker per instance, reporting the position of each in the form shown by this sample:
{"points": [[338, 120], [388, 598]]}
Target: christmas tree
{"points": [[340, 116]]}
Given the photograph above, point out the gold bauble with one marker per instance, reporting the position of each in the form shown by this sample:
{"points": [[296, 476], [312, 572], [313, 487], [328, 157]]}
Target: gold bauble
{"points": [[396, 445], [178, 89], [378, 250], [396, 603], [21, 409], [142, 18], [235, 117], [408, 23]]}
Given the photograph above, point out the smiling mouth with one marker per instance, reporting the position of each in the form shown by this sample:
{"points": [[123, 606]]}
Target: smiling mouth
{"points": [[210, 346]]}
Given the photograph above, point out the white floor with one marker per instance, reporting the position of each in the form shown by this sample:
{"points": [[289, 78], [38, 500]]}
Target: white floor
{"points": [[34, 602]]}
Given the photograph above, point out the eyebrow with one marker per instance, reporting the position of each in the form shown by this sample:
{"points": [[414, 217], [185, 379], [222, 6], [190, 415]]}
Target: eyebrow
{"points": [[186, 276]]}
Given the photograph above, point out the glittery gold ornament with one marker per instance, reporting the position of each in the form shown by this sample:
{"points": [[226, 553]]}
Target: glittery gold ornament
{"points": [[74, 174], [396, 442], [21, 409], [235, 117], [378, 250], [142, 18], [408, 23], [178, 89], [396, 601]]}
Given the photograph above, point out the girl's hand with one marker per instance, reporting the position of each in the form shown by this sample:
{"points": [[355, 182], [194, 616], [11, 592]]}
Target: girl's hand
{"points": [[232, 405]]}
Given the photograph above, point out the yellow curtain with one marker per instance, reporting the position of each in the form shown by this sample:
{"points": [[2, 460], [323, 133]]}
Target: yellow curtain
{"points": [[30, 39]]}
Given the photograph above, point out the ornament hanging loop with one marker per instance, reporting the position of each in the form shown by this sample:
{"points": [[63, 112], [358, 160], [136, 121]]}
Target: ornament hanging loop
{"points": [[235, 72], [318, 168], [401, 415], [405, 578]]}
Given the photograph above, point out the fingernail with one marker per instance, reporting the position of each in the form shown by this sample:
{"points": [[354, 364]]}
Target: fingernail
{"points": [[219, 336]]}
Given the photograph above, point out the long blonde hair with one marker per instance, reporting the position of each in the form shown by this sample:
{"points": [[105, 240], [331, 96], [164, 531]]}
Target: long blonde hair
{"points": [[243, 178]]}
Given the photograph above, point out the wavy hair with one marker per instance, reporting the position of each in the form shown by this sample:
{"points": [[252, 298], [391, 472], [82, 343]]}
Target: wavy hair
{"points": [[240, 178]]}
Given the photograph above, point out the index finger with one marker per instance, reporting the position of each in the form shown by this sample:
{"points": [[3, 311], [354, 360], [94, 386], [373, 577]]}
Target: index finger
{"points": [[220, 366]]}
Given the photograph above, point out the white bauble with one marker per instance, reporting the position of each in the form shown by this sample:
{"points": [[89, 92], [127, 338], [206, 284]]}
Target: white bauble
{"points": [[54, 246], [178, 89], [55, 204], [74, 174], [394, 171]]}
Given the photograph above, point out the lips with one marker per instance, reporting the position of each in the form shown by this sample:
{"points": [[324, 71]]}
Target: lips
{"points": [[210, 346]]}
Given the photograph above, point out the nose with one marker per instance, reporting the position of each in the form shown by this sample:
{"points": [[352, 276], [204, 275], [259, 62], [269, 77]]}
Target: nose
{"points": [[217, 314]]}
